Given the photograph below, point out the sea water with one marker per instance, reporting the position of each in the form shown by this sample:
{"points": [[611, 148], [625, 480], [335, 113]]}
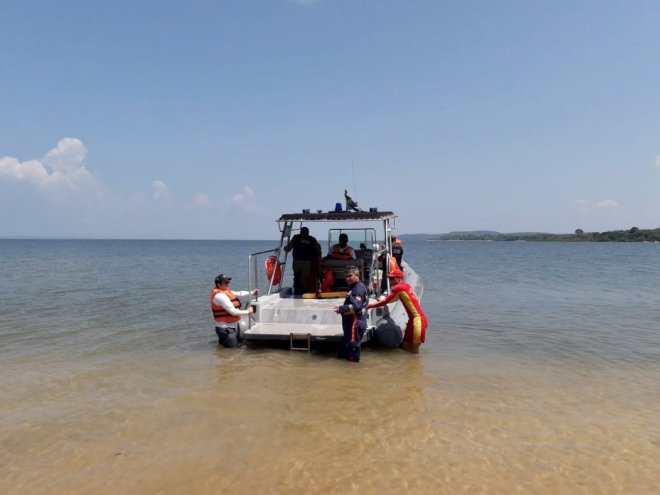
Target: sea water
{"points": [[540, 374]]}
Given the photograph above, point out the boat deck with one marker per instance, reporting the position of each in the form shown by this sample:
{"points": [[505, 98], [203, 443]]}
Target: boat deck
{"points": [[282, 314]]}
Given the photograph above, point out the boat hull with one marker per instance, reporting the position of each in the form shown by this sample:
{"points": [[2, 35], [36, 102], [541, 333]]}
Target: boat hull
{"points": [[283, 316]]}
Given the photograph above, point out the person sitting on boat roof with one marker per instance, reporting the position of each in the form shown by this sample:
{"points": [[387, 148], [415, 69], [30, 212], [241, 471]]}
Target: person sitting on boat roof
{"points": [[306, 258], [417, 322], [342, 251], [226, 311]]}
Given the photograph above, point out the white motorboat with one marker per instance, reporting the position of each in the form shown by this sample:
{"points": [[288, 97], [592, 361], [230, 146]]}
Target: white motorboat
{"points": [[279, 314]]}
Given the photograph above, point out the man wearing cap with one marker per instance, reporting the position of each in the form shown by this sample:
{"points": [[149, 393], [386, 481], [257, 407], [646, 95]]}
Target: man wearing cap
{"points": [[416, 327], [226, 310]]}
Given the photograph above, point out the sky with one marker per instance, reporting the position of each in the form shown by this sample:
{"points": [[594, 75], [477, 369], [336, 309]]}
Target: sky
{"points": [[207, 119]]}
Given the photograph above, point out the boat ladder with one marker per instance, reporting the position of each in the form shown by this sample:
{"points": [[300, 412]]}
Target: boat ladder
{"points": [[306, 337]]}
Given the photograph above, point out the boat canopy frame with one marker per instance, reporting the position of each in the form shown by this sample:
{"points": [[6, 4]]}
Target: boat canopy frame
{"points": [[286, 226]]}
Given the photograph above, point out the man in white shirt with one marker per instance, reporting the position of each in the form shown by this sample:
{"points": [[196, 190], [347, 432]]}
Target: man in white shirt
{"points": [[227, 310]]}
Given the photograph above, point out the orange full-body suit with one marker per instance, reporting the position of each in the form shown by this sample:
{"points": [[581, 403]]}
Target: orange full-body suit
{"points": [[416, 327]]}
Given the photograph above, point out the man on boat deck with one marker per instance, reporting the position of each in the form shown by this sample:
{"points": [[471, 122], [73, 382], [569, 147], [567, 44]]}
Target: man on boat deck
{"points": [[306, 258], [417, 322], [342, 251], [226, 310], [353, 315]]}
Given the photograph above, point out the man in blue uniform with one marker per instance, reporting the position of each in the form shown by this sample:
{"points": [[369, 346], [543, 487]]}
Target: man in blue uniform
{"points": [[353, 315]]}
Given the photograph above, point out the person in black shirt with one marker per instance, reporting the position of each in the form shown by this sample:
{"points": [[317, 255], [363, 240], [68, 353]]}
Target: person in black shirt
{"points": [[306, 258]]}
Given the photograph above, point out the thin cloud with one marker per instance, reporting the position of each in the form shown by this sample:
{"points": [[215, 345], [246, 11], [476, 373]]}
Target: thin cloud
{"points": [[160, 191], [607, 204], [306, 2], [244, 199], [201, 199], [598, 205], [61, 170]]}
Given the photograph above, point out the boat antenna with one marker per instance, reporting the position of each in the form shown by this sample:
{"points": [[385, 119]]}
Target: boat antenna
{"points": [[354, 183]]}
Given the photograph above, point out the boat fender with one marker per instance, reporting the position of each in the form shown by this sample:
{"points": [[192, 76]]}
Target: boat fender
{"points": [[388, 335], [241, 327]]}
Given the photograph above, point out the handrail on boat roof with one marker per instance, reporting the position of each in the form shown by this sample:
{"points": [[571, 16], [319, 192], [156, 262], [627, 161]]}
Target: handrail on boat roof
{"points": [[335, 216]]}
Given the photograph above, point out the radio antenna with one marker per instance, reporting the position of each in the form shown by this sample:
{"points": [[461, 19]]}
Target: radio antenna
{"points": [[355, 192]]}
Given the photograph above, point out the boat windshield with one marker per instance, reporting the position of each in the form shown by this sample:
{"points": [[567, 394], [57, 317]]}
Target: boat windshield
{"points": [[358, 239]]}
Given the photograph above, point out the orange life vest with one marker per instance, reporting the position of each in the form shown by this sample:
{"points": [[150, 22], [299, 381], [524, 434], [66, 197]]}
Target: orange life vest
{"points": [[219, 313], [341, 254], [328, 281]]}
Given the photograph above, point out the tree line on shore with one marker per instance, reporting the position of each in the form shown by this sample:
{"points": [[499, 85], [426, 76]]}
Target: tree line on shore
{"points": [[632, 235]]}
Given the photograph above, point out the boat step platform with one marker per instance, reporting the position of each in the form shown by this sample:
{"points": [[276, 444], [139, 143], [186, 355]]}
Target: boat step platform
{"points": [[284, 331]]}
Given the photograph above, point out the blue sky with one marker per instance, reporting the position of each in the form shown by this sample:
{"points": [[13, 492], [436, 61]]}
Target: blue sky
{"points": [[207, 119]]}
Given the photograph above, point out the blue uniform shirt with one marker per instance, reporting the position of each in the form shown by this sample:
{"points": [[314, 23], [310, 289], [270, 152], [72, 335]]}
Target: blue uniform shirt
{"points": [[355, 302]]}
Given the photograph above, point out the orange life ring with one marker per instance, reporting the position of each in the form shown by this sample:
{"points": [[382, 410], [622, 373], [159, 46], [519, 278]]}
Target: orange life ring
{"points": [[273, 270], [393, 264]]}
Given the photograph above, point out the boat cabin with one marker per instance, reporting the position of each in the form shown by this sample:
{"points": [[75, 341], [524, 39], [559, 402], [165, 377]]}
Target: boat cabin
{"points": [[370, 246]]}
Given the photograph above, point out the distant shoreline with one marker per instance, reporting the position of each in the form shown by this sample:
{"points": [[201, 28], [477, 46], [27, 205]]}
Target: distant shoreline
{"points": [[632, 235]]}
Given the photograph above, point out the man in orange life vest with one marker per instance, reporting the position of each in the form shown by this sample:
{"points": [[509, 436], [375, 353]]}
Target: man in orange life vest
{"points": [[226, 310], [342, 251], [416, 328]]}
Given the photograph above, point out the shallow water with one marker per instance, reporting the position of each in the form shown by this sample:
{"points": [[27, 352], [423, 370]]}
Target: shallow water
{"points": [[540, 375]]}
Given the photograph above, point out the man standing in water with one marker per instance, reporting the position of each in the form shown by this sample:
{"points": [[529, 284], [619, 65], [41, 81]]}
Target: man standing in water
{"points": [[417, 322], [353, 315], [226, 310]]}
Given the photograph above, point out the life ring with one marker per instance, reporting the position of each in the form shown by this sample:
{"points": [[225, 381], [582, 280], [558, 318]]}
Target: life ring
{"points": [[393, 264], [273, 270]]}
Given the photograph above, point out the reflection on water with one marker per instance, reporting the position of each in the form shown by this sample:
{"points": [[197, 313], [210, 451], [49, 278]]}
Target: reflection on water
{"points": [[270, 421]]}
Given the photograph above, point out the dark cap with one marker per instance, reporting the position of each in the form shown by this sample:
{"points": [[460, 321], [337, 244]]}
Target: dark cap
{"points": [[222, 279]]}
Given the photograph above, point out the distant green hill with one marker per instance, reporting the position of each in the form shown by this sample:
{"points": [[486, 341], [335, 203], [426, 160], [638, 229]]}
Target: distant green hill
{"points": [[632, 235]]}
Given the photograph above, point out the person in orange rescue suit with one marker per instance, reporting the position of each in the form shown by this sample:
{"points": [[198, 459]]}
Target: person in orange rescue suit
{"points": [[416, 327], [226, 310], [306, 258], [342, 251]]}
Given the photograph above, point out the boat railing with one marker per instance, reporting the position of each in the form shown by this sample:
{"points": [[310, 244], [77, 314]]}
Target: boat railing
{"points": [[377, 273], [255, 273]]}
